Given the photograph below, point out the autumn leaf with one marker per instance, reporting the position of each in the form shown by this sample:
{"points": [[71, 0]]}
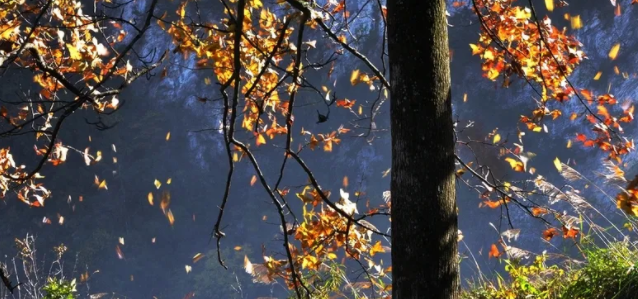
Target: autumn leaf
{"points": [[149, 197], [494, 253], [170, 217], [537, 211], [516, 165], [550, 5], [557, 164], [613, 53], [377, 248], [496, 138], [569, 232], [197, 257], [118, 251], [253, 180], [354, 77], [548, 234], [157, 184]]}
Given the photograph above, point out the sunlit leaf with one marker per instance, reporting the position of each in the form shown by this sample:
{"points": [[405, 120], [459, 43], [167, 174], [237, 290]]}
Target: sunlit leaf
{"points": [[613, 53], [557, 164], [197, 257]]}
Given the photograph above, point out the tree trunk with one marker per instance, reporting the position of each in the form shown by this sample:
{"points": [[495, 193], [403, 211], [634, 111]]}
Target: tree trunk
{"points": [[424, 219]]}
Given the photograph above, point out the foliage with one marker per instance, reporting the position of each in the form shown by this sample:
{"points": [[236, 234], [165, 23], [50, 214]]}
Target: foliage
{"points": [[59, 289], [609, 272], [262, 56]]}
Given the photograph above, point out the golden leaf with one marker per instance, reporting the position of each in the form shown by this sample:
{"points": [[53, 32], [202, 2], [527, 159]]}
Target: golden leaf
{"points": [[613, 53], [557, 164]]}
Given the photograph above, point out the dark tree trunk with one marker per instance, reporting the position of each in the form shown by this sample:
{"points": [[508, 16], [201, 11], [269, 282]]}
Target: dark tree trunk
{"points": [[424, 220]]}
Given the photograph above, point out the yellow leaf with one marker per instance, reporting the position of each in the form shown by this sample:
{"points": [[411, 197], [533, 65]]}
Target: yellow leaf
{"points": [[168, 182], [598, 75], [168, 135], [360, 110], [260, 139], [497, 138], [516, 165], [157, 184], [614, 51], [150, 198], [237, 248], [170, 217], [475, 49], [549, 4], [464, 97], [73, 52], [253, 180], [377, 248], [354, 77], [569, 143], [576, 22], [557, 164]]}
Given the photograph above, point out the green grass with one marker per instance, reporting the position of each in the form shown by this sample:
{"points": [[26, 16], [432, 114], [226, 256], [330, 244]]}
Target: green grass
{"points": [[609, 273]]}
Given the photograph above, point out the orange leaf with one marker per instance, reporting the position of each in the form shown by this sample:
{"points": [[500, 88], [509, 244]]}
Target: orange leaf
{"points": [[548, 234], [569, 233], [494, 252]]}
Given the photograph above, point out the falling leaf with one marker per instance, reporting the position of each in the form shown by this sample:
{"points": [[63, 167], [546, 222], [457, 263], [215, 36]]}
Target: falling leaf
{"points": [[617, 11], [119, 252], [497, 138], [121, 240], [550, 5], [169, 181], [598, 75], [168, 135], [464, 97], [576, 22], [237, 248], [170, 217], [100, 184], [613, 53], [166, 201], [569, 143], [150, 198], [557, 164], [188, 269], [153, 240], [385, 173], [345, 181], [197, 257], [157, 184], [253, 180], [354, 77]]}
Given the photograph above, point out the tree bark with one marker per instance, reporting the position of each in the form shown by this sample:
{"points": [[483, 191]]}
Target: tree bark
{"points": [[424, 219]]}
